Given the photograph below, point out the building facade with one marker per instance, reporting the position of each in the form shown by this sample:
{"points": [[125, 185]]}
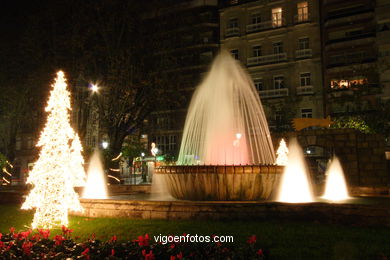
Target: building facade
{"points": [[279, 42], [188, 35]]}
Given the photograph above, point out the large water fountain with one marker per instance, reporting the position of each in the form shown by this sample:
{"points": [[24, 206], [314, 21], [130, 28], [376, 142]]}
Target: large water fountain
{"points": [[226, 151]]}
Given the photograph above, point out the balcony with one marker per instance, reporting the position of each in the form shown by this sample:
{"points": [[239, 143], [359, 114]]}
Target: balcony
{"points": [[267, 59], [257, 27], [302, 18], [305, 90], [303, 54], [351, 58], [231, 32], [274, 93]]}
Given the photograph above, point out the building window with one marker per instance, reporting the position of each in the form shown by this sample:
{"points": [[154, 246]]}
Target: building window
{"points": [[307, 113], [256, 51], [305, 79], [304, 43], [258, 84], [277, 17], [18, 144], [234, 53], [233, 23], [278, 47], [29, 142], [255, 19], [303, 11], [278, 82], [172, 142]]}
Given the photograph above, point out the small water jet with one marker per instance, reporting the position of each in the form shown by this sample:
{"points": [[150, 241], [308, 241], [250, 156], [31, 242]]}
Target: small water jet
{"points": [[336, 187], [295, 185], [96, 186]]}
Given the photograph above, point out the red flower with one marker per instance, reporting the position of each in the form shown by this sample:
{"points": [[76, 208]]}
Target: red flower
{"points": [[113, 239], [172, 246], [148, 256], [12, 230], [36, 237], [260, 252], [45, 233], [1, 235], [251, 239], [143, 241], [112, 252], [66, 231], [1, 244], [86, 253], [24, 235], [27, 247], [172, 257], [58, 240], [219, 244], [179, 255]]}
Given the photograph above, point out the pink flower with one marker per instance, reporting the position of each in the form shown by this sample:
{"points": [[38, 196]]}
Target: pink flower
{"points": [[148, 256], [251, 239], [27, 247]]}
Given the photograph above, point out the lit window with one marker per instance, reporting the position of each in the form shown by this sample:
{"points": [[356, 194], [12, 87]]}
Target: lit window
{"points": [[277, 17], [258, 84], [257, 51], [234, 53], [278, 82], [278, 47], [307, 113], [305, 79], [304, 43], [303, 11]]}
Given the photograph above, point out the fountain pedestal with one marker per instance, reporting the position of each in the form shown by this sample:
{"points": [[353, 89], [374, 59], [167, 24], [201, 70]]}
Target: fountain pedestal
{"points": [[241, 183]]}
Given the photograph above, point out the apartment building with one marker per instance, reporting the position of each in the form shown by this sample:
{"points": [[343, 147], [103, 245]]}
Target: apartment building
{"points": [[350, 56], [188, 32], [279, 43]]}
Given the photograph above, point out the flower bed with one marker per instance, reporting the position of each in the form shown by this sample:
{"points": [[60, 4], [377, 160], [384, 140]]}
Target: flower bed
{"points": [[39, 245]]}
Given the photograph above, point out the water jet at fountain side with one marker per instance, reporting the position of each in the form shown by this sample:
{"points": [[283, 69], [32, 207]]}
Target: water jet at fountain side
{"points": [[335, 187], [96, 186], [295, 185], [225, 123]]}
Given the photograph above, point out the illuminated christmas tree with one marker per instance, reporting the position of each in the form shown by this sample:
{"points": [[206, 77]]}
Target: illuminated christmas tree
{"points": [[59, 167], [282, 153]]}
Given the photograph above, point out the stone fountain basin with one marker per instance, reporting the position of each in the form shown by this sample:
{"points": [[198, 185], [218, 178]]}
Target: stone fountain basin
{"points": [[227, 183]]}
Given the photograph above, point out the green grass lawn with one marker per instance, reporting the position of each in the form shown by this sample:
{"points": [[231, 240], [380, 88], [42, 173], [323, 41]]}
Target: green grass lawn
{"points": [[284, 240]]}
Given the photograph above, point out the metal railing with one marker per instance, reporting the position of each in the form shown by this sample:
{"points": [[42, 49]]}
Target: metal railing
{"points": [[271, 93], [256, 27], [265, 59], [304, 53], [232, 31], [305, 90]]}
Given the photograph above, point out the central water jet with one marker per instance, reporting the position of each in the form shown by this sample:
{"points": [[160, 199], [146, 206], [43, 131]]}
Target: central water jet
{"points": [[226, 151]]}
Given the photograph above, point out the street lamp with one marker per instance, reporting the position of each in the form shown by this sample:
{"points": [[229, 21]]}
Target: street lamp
{"points": [[105, 144], [94, 87]]}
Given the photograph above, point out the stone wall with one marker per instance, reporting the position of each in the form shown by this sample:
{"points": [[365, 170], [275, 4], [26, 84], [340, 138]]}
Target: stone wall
{"points": [[362, 155]]}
